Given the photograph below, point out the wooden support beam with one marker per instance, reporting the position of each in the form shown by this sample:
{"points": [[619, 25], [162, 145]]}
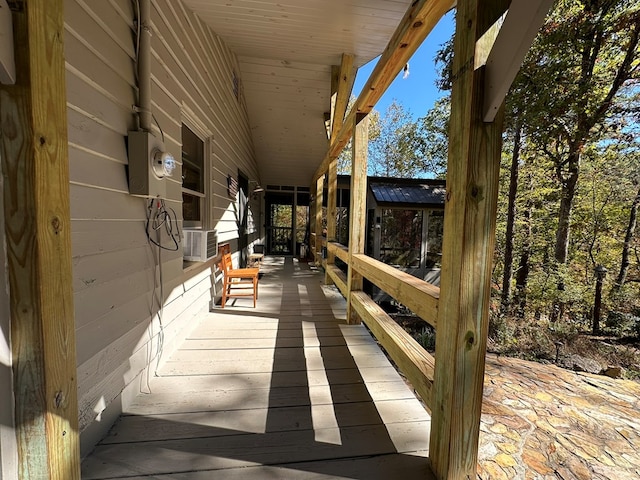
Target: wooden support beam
{"points": [[335, 80], [412, 360], [416, 24], [416, 294], [35, 167], [357, 207], [327, 124], [468, 243], [319, 188], [345, 79], [520, 27], [328, 116], [332, 210]]}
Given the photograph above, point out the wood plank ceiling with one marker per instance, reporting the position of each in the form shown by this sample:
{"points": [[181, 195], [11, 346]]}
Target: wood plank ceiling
{"points": [[286, 49]]}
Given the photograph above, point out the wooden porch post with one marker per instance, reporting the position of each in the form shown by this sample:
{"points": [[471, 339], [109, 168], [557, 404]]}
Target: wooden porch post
{"points": [[332, 169], [35, 166], [469, 237], [357, 207], [342, 80], [332, 209], [318, 220]]}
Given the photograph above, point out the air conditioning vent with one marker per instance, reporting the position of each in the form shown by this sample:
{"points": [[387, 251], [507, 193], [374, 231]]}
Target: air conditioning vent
{"points": [[200, 245]]}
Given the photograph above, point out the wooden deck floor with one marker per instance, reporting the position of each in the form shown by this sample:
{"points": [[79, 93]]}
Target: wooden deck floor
{"points": [[283, 391]]}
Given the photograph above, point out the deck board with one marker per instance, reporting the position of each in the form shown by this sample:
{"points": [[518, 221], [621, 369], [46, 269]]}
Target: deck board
{"points": [[386, 467], [206, 423], [286, 390]]}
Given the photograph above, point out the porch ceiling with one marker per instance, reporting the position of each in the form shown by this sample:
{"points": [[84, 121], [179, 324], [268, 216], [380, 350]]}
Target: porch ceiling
{"points": [[286, 50]]}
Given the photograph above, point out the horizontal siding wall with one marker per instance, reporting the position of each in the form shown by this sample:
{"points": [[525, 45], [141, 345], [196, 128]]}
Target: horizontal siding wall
{"points": [[121, 320]]}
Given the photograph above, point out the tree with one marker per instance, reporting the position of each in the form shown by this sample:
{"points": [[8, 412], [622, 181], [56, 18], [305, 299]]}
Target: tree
{"points": [[432, 137], [398, 146], [584, 58], [631, 157], [522, 273], [344, 159], [394, 153], [507, 276], [626, 249], [576, 106]]}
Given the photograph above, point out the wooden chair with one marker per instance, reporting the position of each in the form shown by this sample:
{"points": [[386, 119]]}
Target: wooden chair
{"points": [[238, 282]]}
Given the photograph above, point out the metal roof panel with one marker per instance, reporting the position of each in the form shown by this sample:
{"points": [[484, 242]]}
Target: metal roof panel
{"points": [[418, 194]]}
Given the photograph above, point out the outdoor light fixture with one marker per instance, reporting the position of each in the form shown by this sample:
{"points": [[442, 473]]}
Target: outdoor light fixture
{"points": [[257, 188]]}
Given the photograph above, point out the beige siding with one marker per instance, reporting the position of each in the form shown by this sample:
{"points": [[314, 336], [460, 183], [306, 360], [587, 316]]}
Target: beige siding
{"points": [[120, 324]]}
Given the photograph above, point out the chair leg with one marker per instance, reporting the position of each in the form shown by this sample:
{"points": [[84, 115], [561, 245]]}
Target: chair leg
{"points": [[228, 285], [224, 293], [255, 291]]}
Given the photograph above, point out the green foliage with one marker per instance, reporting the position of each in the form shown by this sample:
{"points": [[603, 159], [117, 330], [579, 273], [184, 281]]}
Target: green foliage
{"points": [[621, 324], [574, 73], [600, 218], [401, 147], [394, 152], [577, 96], [432, 138], [500, 331], [427, 338]]}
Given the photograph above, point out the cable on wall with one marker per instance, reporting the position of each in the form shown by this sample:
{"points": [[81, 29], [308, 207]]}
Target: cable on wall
{"points": [[163, 233], [164, 219], [161, 227]]}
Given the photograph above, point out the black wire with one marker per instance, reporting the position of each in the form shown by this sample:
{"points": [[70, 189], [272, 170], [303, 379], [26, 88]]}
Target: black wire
{"points": [[159, 127], [163, 218]]}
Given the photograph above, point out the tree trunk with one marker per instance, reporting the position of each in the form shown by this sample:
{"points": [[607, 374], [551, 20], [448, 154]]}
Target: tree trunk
{"points": [[511, 215], [631, 227], [569, 182], [522, 274]]}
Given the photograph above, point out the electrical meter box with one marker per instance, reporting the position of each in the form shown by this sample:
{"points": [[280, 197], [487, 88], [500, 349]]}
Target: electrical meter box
{"points": [[149, 165]]}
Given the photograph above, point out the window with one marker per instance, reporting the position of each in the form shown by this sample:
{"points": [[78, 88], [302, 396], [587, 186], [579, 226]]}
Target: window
{"points": [[192, 177], [401, 237]]}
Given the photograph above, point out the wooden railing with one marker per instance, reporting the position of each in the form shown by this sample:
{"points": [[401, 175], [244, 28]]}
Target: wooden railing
{"points": [[453, 387], [416, 294]]}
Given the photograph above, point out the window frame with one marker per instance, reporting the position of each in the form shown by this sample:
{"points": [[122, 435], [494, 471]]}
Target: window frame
{"points": [[190, 121]]}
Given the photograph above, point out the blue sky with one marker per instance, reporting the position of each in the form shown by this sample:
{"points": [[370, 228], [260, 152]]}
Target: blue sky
{"points": [[417, 92]]}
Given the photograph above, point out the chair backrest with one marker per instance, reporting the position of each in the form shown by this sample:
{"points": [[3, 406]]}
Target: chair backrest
{"points": [[227, 264]]}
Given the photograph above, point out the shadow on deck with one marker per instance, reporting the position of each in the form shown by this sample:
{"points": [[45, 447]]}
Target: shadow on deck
{"points": [[287, 390]]}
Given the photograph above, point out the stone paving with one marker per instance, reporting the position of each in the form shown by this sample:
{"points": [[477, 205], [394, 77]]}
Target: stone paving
{"points": [[543, 422]]}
